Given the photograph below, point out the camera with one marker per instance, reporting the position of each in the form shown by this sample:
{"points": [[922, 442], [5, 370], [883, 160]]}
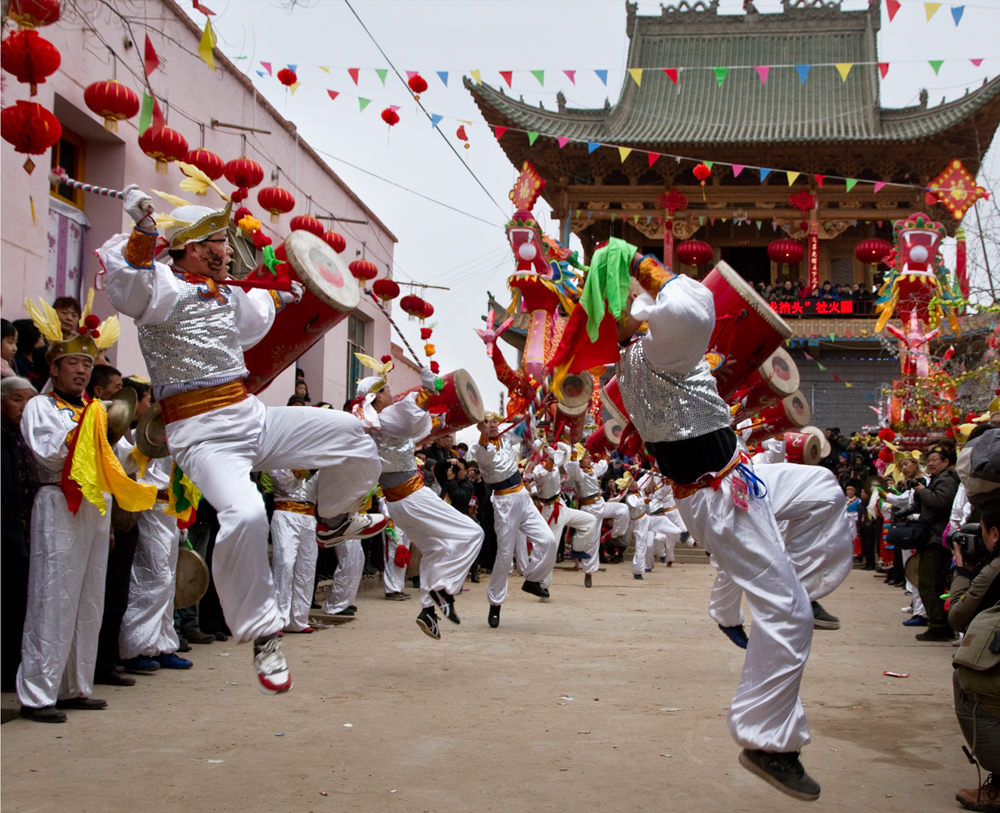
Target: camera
{"points": [[968, 539]]}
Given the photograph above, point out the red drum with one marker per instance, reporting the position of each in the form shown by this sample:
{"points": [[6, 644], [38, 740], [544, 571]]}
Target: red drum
{"points": [[824, 443], [571, 409], [801, 447], [611, 399], [459, 401], [789, 414], [605, 439], [746, 329], [330, 295], [775, 379]]}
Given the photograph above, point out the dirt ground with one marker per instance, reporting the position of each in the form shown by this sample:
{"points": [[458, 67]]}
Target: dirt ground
{"points": [[384, 718]]}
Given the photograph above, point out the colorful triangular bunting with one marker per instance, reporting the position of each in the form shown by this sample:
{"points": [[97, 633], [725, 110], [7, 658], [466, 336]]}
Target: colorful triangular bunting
{"points": [[803, 71], [382, 73], [636, 74], [737, 169], [354, 74], [878, 186], [624, 152], [762, 72], [477, 76], [844, 68], [792, 176], [850, 183], [976, 62], [592, 145], [540, 76], [333, 94], [892, 6], [819, 180], [532, 138], [499, 131], [763, 174], [508, 77], [936, 65], [363, 103], [653, 156], [324, 68], [930, 9], [208, 40], [720, 75], [571, 75], [956, 13], [443, 76], [883, 68], [672, 73], [563, 141], [603, 76], [435, 119]]}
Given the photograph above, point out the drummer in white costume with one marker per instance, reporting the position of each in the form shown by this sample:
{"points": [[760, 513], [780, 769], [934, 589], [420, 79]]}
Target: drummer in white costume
{"points": [[631, 497], [293, 545], [586, 476], [346, 579], [515, 518], [558, 515], [448, 540], [192, 331], [673, 402], [665, 524]]}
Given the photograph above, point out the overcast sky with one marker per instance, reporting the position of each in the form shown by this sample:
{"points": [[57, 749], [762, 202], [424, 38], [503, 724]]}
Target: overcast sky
{"points": [[443, 247]]}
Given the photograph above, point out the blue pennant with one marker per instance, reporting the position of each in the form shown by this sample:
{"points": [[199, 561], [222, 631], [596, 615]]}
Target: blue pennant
{"points": [[803, 72]]}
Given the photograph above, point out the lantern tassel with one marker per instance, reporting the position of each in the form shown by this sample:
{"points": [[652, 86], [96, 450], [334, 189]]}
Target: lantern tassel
{"points": [[31, 200], [111, 124], [275, 217]]}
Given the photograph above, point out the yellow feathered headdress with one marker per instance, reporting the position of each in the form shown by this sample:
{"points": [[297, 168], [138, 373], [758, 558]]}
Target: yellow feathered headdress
{"points": [[373, 383]]}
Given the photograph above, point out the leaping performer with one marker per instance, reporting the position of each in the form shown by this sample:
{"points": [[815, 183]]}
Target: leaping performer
{"points": [[193, 328], [673, 402]]}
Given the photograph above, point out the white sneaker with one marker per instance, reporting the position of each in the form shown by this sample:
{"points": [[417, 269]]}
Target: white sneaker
{"points": [[906, 609], [356, 526], [272, 668]]}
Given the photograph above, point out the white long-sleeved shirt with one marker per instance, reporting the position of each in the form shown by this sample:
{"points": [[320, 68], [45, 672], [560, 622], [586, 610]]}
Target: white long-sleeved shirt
{"points": [[588, 483], [496, 462]]}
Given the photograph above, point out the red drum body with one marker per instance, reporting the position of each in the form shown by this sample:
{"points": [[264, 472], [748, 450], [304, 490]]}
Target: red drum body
{"points": [[747, 331], [571, 409], [801, 447], [330, 294], [611, 400], [459, 401], [788, 415], [820, 435], [605, 439], [774, 380]]}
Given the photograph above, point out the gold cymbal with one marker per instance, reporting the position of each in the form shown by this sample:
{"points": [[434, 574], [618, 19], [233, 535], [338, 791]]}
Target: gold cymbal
{"points": [[192, 578], [151, 433], [120, 409]]}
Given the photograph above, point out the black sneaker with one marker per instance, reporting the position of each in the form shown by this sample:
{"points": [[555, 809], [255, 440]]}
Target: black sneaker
{"points": [[937, 635], [587, 581], [535, 588], [113, 678], [428, 622], [447, 604], [494, 619], [637, 576], [822, 620], [45, 714], [736, 634], [783, 771], [183, 645]]}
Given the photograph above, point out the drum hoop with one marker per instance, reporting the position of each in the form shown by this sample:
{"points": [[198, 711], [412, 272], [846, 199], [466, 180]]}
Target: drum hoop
{"points": [[460, 378], [585, 376], [787, 402], [753, 299], [612, 407], [302, 242]]}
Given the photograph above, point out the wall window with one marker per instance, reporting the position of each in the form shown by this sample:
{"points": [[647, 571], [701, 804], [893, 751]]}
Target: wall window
{"points": [[70, 154], [355, 344]]}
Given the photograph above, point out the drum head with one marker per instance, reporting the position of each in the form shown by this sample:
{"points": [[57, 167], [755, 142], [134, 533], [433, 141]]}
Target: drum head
{"points": [[824, 444], [752, 298], [912, 569], [609, 391], [576, 392], [612, 431], [797, 409], [322, 271], [151, 434], [192, 578], [811, 451], [468, 396], [780, 372]]}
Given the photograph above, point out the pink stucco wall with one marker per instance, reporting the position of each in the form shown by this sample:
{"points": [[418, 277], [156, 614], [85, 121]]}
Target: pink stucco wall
{"points": [[192, 96]]}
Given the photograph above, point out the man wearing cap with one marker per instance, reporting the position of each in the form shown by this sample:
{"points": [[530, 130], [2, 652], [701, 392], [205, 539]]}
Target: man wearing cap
{"points": [[192, 331], [448, 540], [586, 476], [70, 531]]}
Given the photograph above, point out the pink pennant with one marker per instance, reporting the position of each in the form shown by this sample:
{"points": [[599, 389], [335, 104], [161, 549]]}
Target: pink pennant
{"points": [[499, 131], [563, 141], [411, 74], [762, 71], [508, 77], [653, 156], [354, 74], [737, 169], [892, 6], [394, 107], [672, 73], [711, 220], [878, 186], [572, 78], [883, 68], [976, 62], [333, 94], [267, 67]]}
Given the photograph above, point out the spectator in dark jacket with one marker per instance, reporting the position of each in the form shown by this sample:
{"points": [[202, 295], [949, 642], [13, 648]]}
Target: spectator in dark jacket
{"points": [[457, 486], [935, 501]]}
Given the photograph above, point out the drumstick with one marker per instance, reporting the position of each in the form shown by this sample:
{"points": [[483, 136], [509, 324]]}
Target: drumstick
{"points": [[279, 284], [58, 177], [392, 322]]}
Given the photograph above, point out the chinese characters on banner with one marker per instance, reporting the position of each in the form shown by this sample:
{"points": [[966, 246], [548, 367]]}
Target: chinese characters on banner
{"points": [[810, 307]]}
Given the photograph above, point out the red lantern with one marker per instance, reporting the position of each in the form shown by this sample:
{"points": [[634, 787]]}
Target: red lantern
{"points": [[385, 289], [417, 84], [412, 305], [694, 252], [335, 241], [163, 144], [208, 162], [34, 13], [30, 128], [426, 312], [287, 77], [307, 223], [244, 172], [29, 57], [701, 172], [277, 201], [460, 133], [113, 100], [390, 117], [872, 251], [363, 270], [785, 251]]}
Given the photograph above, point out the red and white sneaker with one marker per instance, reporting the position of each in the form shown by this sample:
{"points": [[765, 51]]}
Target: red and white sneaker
{"points": [[272, 668], [356, 526]]}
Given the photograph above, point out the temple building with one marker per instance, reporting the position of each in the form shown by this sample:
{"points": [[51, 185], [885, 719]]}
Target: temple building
{"points": [[802, 152]]}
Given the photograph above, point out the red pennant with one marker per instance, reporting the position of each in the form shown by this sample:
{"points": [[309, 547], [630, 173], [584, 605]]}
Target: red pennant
{"points": [[892, 6], [199, 7], [499, 131], [819, 180], [508, 77], [151, 59], [672, 73], [653, 156], [333, 94], [883, 68], [354, 74]]}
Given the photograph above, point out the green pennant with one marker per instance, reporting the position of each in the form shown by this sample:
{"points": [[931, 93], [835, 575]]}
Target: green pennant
{"points": [[720, 75], [540, 76], [821, 367], [531, 138], [701, 221], [709, 164], [936, 65], [364, 103], [145, 113], [758, 222], [833, 337], [382, 72], [850, 183]]}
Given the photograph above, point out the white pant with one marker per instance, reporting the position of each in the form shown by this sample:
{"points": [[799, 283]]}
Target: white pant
{"points": [[448, 540], [69, 559], [515, 514], [219, 449], [642, 558], [148, 626], [615, 511], [665, 531], [347, 579], [293, 560], [393, 576], [587, 538], [916, 603], [766, 712]]}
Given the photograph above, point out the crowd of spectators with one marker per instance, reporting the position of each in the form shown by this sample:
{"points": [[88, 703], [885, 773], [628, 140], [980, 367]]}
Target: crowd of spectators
{"points": [[807, 299]]}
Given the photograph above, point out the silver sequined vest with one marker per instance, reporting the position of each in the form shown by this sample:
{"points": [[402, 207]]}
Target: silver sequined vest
{"points": [[198, 340], [668, 407], [399, 462]]}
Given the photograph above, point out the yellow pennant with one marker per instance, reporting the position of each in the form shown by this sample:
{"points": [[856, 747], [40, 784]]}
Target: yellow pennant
{"points": [[624, 152], [477, 75], [324, 68], [792, 176], [294, 87], [636, 74], [931, 9], [844, 68], [208, 40]]}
